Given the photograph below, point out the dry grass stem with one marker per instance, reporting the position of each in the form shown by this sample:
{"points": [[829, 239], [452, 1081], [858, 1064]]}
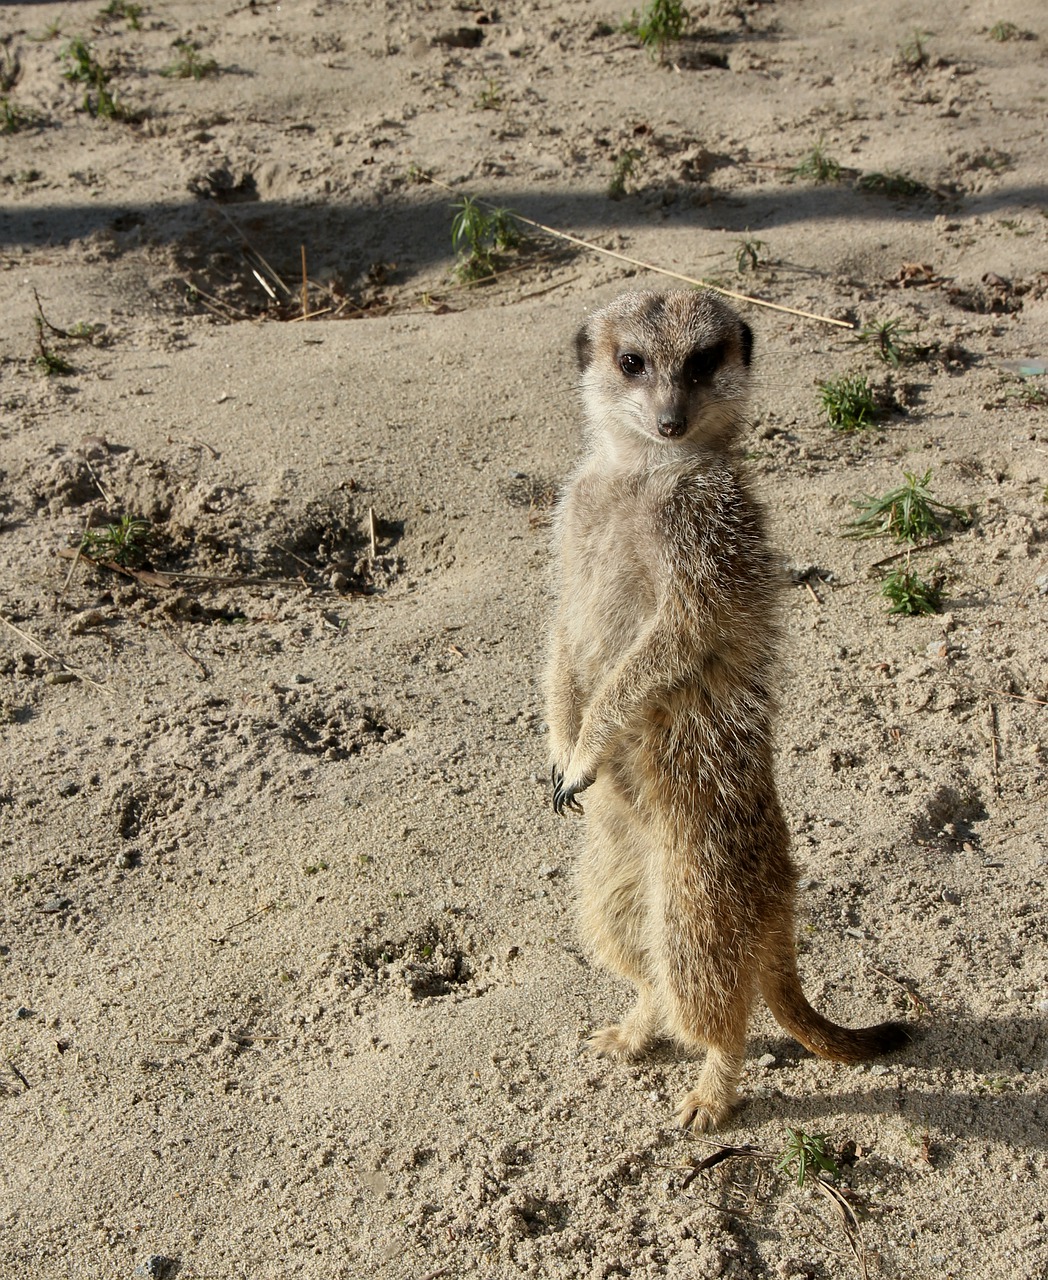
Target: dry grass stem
{"points": [[662, 271], [305, 286], [901, 555], [53, 656], [995, 750]]}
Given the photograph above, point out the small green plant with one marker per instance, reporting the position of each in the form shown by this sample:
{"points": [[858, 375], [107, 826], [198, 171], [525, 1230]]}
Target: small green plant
{"points": [[125, 543], [907, 514], [805, 1152], [849, 402], [909, 594], [1027, 395], [624, 171], [889, 341], [48, 361], [913, 55], [10, 67], [478, 234], [13, 119], [84, 68], [748, 255], [1002, 31], [817, 166], [489, 98], [892, 184], [123, 11], [188, 64], [662, 22]]}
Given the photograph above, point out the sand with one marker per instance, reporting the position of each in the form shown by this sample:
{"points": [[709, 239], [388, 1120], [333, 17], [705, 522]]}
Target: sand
{"points": [[290, 983]]}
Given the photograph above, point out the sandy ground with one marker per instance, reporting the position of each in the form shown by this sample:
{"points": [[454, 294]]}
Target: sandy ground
{"points": [[289, 978]]}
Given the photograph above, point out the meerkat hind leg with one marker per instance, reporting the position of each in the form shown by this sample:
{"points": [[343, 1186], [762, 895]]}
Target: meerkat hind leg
{"points": [[614, 916], [713, 1099], [712, 1010], [634, 1035]]}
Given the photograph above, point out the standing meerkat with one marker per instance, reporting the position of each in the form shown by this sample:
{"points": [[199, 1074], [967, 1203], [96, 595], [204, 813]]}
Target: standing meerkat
{"points": [[660, 698]]}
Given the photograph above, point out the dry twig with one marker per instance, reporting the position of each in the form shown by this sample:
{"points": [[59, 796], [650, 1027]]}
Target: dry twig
{"points": [[75, 671]]}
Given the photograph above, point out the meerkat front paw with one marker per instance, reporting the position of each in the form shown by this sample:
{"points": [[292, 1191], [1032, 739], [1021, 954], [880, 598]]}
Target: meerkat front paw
{"points": [[564, 793], [701, 1113]]}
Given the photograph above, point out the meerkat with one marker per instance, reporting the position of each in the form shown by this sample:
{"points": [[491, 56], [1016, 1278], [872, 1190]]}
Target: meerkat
{"points": [[660, 699]]}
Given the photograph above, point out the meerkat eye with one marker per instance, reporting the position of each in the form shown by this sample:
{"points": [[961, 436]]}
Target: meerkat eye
{"points": [[631, 365], [703, 363]]}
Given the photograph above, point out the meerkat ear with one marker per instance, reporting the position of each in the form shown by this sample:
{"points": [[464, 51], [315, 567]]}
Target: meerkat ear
{"points": [[746, 338], [583, 348]]}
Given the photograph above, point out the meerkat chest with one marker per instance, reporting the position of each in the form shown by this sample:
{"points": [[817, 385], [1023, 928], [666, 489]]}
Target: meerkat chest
{"points": [[609, 573]]}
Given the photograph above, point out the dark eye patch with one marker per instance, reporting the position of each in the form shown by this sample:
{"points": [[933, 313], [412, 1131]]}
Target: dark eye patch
{"points": [[703, 362]]}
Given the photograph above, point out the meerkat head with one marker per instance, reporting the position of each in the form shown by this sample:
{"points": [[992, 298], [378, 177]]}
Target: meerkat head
{"points": [[671, 367]]}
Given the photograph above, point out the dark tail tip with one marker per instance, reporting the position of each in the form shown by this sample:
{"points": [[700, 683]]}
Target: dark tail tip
{"points": [[890, 1036]]}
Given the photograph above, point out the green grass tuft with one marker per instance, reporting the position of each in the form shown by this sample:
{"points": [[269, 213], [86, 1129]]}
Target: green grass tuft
{"points": [[805, 1152], [125, 543], [817, 166], [662, 22], [849, 402], [910, 594], [907, 514]]}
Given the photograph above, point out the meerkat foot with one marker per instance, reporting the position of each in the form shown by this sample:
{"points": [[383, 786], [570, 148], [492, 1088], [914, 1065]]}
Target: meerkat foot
{"points": [[700, 1113], [619, 1041]]}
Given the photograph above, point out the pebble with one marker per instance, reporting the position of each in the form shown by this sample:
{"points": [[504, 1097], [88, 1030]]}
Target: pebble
{"points": [[766, 1060], [157, 1267], [68, 787], [21, 1013], [547, 871], [51, 906], [61, 677]]}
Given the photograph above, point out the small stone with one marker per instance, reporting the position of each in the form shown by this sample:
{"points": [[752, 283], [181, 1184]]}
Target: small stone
{"points": [[60, 677], [547, 871], [157, 1267], [338, 582], [952, 897], [879, 1069], [53, 905], [766, 1060], [68, 787], [85, 621], [21, 1013], [855, 933]]}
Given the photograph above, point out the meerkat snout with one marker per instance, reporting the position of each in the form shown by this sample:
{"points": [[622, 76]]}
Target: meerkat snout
{"points": [[667, 367]]}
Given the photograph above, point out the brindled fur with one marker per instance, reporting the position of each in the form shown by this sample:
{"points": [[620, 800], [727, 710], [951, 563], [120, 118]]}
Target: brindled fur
{"points": [[660, 698]]}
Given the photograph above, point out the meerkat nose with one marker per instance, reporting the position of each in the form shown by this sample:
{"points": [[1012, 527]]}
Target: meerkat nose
{"points": [[671, 428]]}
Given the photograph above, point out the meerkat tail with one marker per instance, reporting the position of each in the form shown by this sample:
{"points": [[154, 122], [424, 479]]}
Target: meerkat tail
{"points": [[781, 988]]}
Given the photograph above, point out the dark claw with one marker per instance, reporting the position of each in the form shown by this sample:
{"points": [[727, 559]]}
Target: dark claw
{"points": [[564, 797]]}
